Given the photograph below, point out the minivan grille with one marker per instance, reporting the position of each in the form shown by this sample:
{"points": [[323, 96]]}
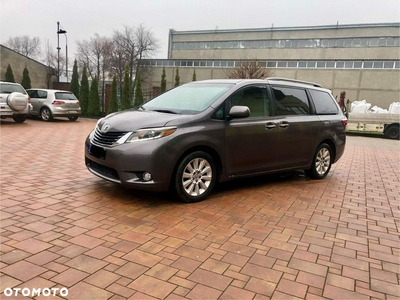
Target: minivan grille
{"points": [[106, 139]]}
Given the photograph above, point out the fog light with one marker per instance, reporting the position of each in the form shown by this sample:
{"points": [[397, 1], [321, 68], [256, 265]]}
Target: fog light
{"points": [[147, 176]]}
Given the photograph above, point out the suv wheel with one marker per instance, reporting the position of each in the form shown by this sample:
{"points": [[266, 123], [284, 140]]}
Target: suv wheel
{"points": [[45, 114], [20, 118], [322, 162], [195, 176], [72, 118]]}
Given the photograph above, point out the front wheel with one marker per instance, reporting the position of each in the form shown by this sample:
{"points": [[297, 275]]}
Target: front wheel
{"points": [[195, 177], [72, 118], [322, 162]]}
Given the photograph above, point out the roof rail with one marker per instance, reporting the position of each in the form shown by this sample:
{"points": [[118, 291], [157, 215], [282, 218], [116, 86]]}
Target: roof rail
{"points": [[294, 80]]}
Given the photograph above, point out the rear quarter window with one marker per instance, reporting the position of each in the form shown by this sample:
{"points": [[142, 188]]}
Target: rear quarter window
{"points": [[324, 103]]}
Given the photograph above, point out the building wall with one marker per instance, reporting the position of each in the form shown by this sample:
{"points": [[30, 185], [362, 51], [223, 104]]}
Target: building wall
{"points": [[37, 71], [378, 87]]}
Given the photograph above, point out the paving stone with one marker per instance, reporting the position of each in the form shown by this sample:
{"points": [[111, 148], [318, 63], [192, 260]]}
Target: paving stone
{"points": [[279, 237]]}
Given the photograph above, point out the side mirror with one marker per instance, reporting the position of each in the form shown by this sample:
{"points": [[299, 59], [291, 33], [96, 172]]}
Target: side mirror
{"points": [[239, 112]]}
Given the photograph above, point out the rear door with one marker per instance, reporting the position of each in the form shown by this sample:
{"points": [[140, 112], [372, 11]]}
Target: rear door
{"points": [[37, 99], [250, 143], [298, 128]]}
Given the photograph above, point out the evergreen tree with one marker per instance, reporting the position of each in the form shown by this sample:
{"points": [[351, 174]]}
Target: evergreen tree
{"points": [[177, 77], [26, 80], [113, 105], [74, 87], [9, 76], [126, 101], [84, 92], [163, 81], [138, 90], [194, 75], [94, 99]]}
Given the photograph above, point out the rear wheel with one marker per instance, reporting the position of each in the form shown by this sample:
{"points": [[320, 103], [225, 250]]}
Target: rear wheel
{"points": [[20, 118], [45, 114], [392, 132], [195, 177], [322, 162], [72, 118]]}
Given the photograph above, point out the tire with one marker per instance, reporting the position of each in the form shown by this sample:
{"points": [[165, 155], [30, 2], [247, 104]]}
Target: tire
{"points": [[72, 118], [392, 132], [45, 114], [20, 118], [321, 163], [195, 177]]}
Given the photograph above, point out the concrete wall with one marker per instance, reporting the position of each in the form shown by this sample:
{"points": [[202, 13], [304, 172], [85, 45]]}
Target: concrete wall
{"points": [[37, 71], [378, 87]]}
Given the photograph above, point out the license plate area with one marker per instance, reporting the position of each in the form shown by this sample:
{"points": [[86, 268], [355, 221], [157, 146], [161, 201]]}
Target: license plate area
{"points": [[97, 151], [6, 113]]}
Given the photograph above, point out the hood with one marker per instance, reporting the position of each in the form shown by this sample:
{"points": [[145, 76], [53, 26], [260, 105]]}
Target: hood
{"points": [[132, 120]]}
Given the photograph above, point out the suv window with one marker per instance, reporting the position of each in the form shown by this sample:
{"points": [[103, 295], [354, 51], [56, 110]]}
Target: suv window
{"points": [[324, 103], [255, 98], [291, 101], [11, 88]]}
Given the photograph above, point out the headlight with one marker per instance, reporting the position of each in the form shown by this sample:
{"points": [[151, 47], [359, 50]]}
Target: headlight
{"points": [[150, 134]]}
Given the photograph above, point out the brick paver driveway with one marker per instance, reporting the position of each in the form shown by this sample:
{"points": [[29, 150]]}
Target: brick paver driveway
{"points": [[276, 237]]}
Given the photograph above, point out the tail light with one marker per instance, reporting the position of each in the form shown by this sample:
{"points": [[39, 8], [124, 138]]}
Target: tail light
{"points": [[58, 102], [344, 122], [29, 99]]}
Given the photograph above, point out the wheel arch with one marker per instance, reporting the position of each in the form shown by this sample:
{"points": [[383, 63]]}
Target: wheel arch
{"points": [[207, 149]]}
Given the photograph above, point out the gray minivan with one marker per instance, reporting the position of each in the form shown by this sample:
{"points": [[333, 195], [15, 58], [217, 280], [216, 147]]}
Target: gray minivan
{"points": [[210, 131]]}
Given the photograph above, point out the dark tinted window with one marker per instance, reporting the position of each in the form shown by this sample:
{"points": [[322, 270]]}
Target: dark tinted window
{"points": [[324, 103], [291, 101], [65, 96], [255, 98], [41, 94], [11, 88]]}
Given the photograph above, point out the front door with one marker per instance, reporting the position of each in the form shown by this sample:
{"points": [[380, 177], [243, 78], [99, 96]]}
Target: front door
{"points": [[250, 143]]}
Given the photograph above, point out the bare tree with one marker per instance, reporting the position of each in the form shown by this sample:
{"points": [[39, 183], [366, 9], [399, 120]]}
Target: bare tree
{"points": [[249, 70], [25, 45], [50, 59], [94, 53], [130, 46]]}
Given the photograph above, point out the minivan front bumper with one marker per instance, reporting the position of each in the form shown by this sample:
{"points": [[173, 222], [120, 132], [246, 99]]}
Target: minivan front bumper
{"points": [[125, 164]]}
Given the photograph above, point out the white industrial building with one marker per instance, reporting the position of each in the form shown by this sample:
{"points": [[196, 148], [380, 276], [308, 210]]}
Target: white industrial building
{"points": [[361, 59]]}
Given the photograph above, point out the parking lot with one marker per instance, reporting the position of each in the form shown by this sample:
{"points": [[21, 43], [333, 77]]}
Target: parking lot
{"points": [[272, 237]]}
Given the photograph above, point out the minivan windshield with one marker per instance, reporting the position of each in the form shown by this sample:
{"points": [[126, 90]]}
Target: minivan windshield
{"points": [[190, 98]]}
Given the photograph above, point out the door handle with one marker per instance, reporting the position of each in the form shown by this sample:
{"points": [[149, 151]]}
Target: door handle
{"points": [[270, 126], [284, 124]]}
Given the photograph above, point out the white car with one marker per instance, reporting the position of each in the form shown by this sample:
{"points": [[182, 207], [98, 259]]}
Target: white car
{"points": [[14, 102], [48, 104]]}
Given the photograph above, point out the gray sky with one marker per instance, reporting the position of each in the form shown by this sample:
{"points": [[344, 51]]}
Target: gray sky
{"points": [[84, 18]]}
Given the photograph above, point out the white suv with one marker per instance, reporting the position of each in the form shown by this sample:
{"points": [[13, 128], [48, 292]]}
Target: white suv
{"points": [[14, 102]]}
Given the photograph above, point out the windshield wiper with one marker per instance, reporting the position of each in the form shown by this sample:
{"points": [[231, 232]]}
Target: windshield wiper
{"points": [[165, 111]]}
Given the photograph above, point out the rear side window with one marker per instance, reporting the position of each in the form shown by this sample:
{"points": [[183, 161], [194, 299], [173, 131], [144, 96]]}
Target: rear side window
{"points": [[324, 103], [65, 96], [291, 101]]}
